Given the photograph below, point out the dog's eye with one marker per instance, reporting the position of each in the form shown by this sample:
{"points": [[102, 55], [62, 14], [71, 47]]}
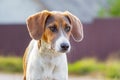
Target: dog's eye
{"points": [[53, 28], [67, 28]]}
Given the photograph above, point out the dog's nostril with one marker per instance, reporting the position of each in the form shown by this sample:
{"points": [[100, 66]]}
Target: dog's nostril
{"points": [[64, 46]]}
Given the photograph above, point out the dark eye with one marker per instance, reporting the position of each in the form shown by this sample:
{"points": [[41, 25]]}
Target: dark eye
{"points": [[53, 28], [67, 28]]}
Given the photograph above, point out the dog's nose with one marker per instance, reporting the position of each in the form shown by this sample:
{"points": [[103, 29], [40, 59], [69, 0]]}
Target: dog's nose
{"points": [[64, 46]]}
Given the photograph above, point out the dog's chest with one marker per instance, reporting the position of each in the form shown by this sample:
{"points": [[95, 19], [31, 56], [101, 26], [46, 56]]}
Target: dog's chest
{"points": [[45, 69], [46, 65]]}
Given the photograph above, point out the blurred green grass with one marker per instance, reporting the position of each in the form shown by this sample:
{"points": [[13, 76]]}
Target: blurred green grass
{"points": [[85, 66], [88, 66], [10, 64]]}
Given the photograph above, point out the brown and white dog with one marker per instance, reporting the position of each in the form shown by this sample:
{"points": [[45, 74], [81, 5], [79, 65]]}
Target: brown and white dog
{"points": [[45, 57]]}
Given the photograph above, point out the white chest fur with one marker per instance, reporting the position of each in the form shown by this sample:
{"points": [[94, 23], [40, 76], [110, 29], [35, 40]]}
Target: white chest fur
{"points": [[44, 64]]}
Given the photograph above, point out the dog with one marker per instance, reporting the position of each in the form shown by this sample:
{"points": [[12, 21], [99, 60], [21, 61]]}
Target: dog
{"points": [[45, 58]]}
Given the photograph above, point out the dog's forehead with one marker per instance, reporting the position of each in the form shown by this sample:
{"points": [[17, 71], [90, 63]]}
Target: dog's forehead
{"points": [[56, 16], [56, 12]]}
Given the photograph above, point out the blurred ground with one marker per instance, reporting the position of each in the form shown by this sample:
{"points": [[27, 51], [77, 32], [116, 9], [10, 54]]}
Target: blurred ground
{"points": [[19, 77]]}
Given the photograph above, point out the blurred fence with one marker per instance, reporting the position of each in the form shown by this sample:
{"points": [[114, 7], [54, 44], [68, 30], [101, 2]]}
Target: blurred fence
{"points": [[101, 38], [13, 39]]}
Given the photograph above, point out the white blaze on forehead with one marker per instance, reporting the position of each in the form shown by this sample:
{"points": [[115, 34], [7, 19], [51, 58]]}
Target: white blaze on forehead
{"points": [[56, 11]]}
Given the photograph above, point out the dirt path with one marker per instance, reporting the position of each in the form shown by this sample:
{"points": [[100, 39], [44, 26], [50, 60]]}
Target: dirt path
{"points": [[19, 77], [10, 76]]}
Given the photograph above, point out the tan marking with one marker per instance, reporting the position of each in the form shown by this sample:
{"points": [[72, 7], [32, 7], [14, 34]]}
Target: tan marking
{"points": [[25, 63]]}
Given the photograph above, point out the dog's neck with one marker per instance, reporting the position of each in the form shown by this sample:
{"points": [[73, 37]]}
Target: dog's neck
{"points": [[46, 50], [43, 45]]}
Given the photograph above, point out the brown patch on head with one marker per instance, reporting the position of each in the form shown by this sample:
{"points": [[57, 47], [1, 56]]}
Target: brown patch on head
{"points": [[67, 27], [56, 23], [48, 35]]}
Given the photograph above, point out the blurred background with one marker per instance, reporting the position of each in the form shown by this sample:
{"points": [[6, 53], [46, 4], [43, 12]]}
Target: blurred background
{"points": [[97, 56]]}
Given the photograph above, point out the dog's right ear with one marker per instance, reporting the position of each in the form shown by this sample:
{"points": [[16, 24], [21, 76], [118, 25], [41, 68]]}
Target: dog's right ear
{"points": [[36, 23]]}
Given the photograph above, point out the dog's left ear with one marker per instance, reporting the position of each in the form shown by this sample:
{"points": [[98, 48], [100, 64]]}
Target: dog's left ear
{"points": [[77, 28]]}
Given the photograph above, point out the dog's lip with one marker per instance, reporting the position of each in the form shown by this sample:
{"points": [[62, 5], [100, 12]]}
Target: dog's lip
{"points": [[64, 51], [52, 48]]}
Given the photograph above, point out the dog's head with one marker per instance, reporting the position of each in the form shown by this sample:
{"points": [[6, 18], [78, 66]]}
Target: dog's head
{"points": [[55, 29]]}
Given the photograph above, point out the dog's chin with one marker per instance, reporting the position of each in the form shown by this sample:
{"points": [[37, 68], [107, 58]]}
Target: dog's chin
{"points": [[62, 51]]}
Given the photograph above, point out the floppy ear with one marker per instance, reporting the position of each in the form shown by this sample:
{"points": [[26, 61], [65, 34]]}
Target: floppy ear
{"points": [[36, 23], [77, 28]]}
